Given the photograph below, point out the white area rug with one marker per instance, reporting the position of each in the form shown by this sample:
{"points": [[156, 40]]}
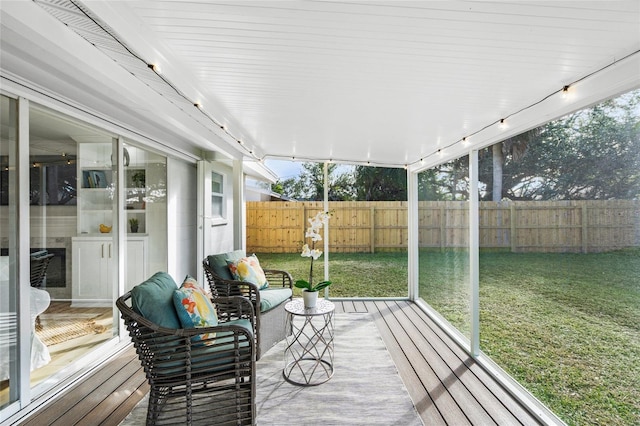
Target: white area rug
{"points": [[364, 390]]}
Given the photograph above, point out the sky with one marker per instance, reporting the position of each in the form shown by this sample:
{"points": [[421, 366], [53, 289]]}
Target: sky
{"points": [[284, 169]]}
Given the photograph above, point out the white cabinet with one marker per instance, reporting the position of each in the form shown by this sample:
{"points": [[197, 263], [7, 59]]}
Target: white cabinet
{"points": [[94, 262], [136, 262]]}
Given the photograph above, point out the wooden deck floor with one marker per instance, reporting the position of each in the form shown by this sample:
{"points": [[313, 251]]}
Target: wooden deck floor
{"points": [[445, 384]]}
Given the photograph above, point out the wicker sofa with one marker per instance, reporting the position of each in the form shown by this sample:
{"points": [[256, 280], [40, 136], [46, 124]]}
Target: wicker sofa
{"points": [[268, 303], [195, 374]]}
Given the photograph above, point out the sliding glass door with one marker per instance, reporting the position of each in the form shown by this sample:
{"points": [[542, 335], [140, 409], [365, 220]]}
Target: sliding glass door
{"points": [[72, 202], [8, 255], [80, 210]]}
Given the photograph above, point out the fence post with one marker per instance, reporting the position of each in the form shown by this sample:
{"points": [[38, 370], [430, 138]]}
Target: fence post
{"points": [[512, 220], [304, 222], [585, 219], [443, 229], [372, 228]]}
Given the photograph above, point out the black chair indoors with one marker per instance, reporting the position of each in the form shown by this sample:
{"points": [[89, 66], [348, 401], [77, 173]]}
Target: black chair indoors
{"points": [[39, 264]]}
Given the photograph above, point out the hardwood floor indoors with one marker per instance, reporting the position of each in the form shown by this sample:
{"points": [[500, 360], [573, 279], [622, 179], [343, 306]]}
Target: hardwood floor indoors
{"points": [[69, 333]]}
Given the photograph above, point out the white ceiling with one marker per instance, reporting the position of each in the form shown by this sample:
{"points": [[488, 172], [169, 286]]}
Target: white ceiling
{"points": [[388, 83]]}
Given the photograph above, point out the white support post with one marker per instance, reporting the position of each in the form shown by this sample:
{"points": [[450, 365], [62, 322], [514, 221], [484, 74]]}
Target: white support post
{"points": [[413, 241], [239, 211], [326, 227], [474, 259]]}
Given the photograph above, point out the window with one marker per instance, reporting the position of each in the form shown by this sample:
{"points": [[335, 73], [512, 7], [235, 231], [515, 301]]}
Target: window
{"points": [[218, 205]]}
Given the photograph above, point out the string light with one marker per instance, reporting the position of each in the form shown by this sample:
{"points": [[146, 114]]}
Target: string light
{"points": [[502, 124], [156, 69]]}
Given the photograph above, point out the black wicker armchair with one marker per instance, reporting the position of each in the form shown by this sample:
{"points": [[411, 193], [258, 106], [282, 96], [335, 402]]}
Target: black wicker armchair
{"points": [[197, 375], [39, 264], [268, 303]]}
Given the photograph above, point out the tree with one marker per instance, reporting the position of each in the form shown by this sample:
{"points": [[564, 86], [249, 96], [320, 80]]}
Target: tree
{"points": [[380, 184], [309, 185], [515, 147], [445, 182], [591, 154]]}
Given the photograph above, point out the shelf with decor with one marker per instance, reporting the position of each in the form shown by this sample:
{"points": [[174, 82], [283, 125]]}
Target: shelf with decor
{"points": [[96, 189], [135, 195]]}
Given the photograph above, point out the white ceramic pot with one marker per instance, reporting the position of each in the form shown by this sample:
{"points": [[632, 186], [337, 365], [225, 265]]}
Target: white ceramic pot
{"points": [[310, 298]]}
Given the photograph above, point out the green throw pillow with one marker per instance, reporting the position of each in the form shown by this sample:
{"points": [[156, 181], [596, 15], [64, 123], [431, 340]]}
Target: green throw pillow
{"points": [[153, 299], [218, 263]]}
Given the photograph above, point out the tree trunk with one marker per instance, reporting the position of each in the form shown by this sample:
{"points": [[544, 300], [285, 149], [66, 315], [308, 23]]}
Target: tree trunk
{"points": [[498, 161]]}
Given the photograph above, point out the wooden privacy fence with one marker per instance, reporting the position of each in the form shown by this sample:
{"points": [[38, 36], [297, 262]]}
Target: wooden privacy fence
{"points": [[521, 226]]}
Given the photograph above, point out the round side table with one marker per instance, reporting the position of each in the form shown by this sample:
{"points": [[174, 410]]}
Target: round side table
{"points": [[308, 357]]}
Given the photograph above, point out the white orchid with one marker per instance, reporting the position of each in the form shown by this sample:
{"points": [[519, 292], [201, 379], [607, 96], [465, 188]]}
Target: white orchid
{"points": [[315, 254], [313, 232]]}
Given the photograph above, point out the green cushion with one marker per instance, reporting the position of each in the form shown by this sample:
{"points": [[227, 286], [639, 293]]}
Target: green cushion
{"points": [[272, 297], [206, 358], [218, 263], [153, 299]]}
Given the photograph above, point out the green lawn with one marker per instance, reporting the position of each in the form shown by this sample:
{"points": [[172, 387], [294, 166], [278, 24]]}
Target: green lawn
{"points": [[567, 326]]}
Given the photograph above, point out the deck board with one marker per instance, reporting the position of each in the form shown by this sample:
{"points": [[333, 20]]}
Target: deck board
{"points": [[423, 402], [446, 386]]}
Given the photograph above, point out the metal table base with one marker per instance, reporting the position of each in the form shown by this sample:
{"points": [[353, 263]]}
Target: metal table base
{"points": [[308, 356]]}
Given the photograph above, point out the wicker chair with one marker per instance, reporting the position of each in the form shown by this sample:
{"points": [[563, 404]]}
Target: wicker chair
{"points": [[197, 375], [38, 269], [38, 272], [268, 304]]}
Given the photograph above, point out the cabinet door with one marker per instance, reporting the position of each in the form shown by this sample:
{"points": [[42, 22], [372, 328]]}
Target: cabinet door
{"points": [[136, 262], [92, 272]]}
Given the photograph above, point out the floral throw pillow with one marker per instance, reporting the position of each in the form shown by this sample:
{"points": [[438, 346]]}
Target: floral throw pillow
{"points": [[195, 309], [248, 269], [192, 283]]}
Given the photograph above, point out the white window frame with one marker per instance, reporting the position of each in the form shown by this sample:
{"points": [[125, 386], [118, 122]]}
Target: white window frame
{"points": [[222, 219]]}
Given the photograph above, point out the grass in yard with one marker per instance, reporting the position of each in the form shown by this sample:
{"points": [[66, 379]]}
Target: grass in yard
{"points": [[566, 326], [352, 274]]}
